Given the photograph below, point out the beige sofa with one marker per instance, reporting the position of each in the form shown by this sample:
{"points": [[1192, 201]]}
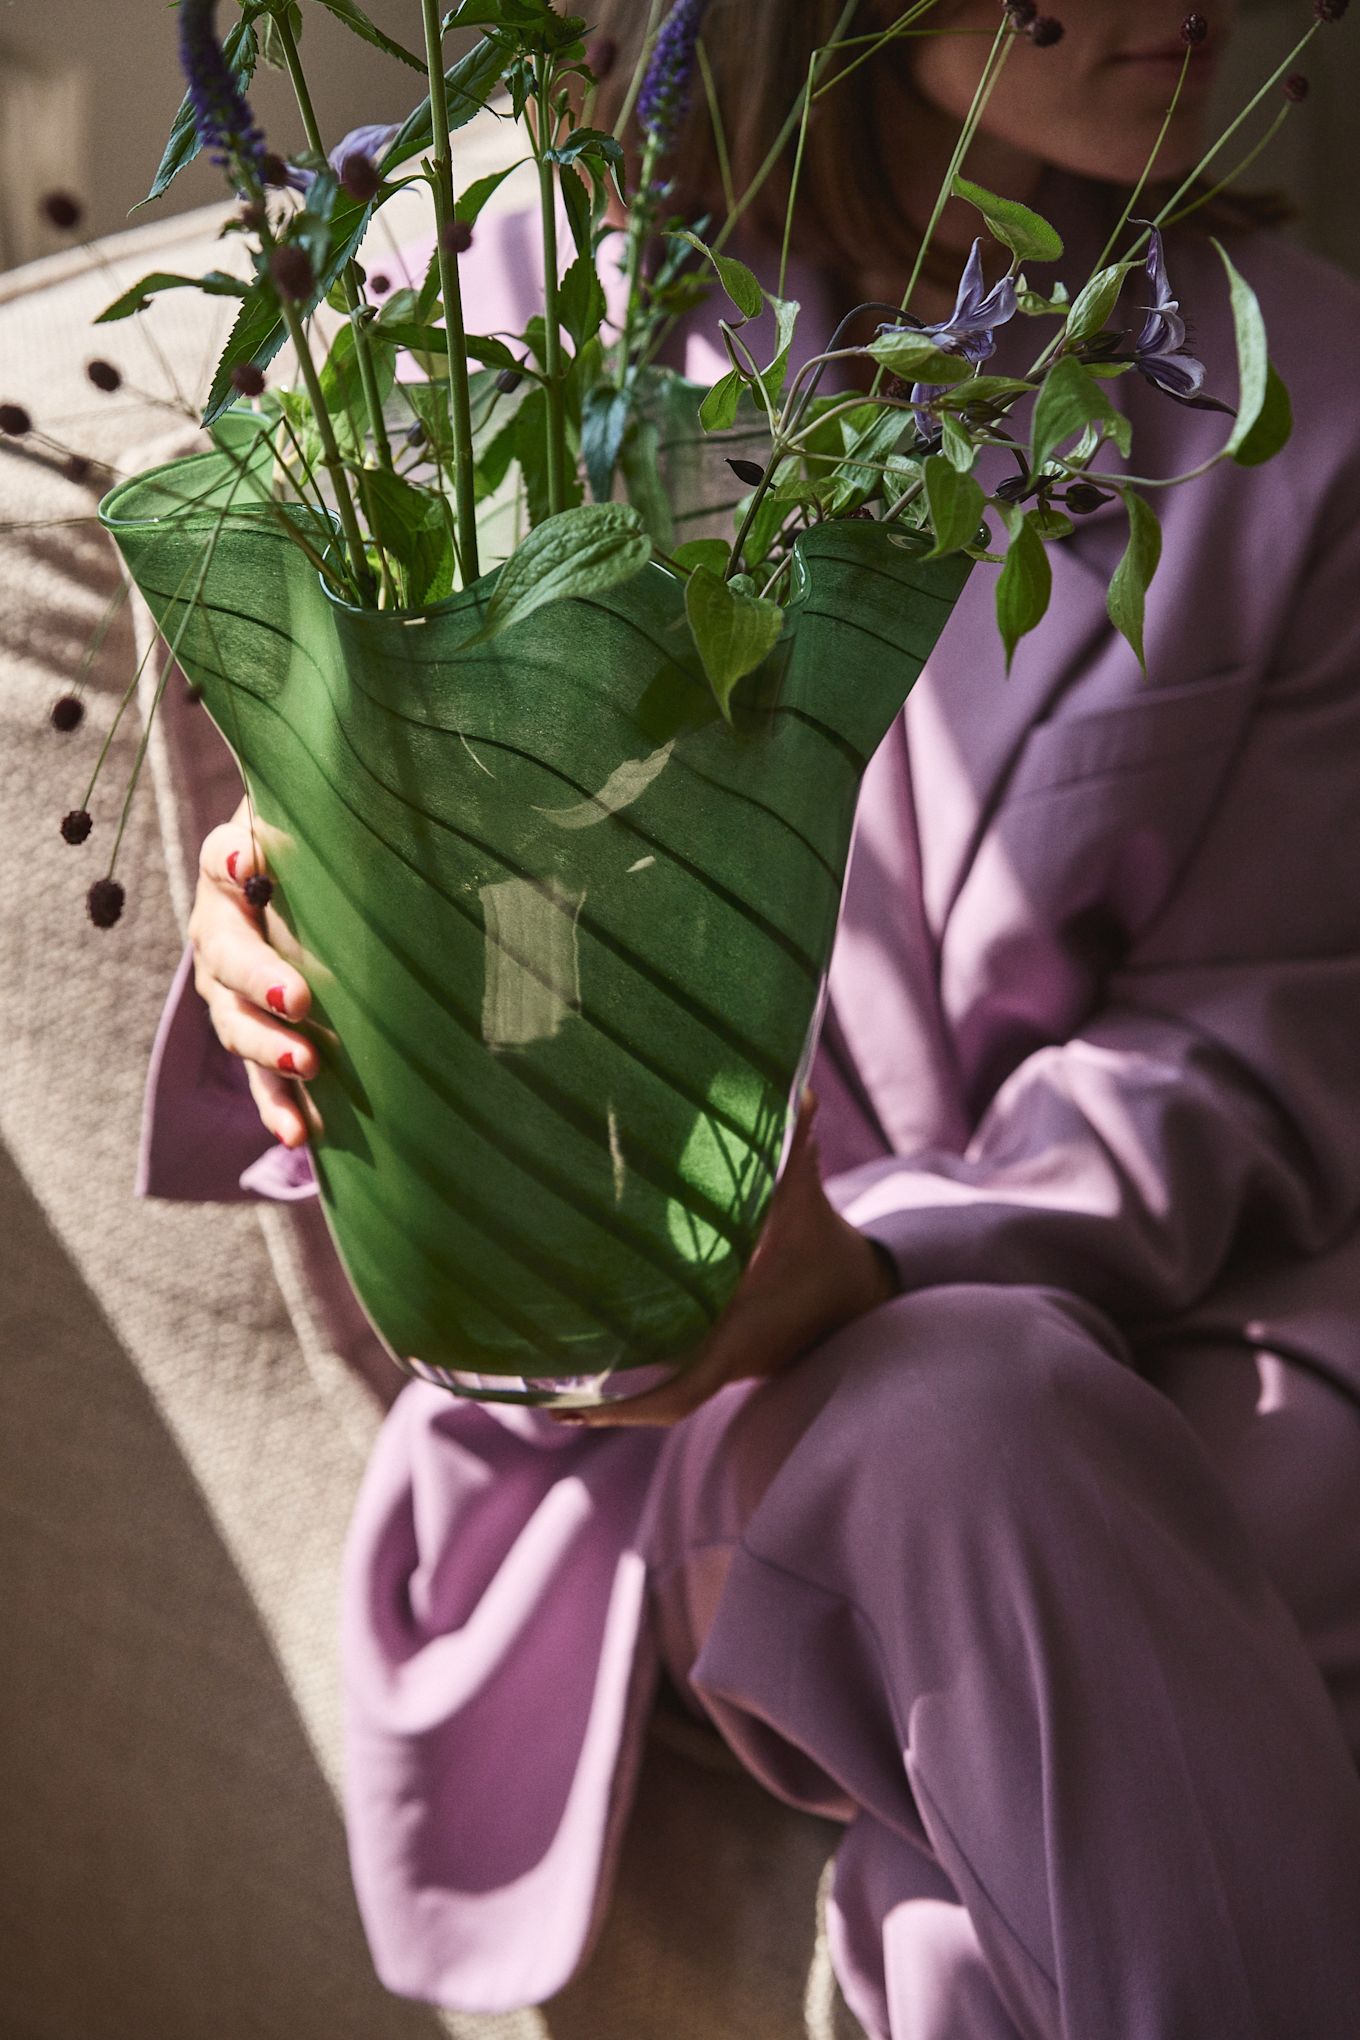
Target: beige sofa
{"points": [[180, 1444]]}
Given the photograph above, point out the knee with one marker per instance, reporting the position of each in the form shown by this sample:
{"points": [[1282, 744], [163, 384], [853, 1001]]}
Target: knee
{"points": [[972, 1378]]}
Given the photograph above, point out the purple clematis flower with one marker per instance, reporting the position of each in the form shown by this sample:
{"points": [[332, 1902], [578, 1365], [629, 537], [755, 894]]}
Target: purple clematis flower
{"points": [[353, 156], [970, 329], [1159, 352]]}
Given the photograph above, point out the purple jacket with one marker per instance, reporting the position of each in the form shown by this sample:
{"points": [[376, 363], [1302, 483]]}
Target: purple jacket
{"points": [[1095, 1024]]}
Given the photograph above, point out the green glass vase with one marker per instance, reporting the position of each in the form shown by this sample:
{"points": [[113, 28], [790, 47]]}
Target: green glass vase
{"points": [[566, 928]]}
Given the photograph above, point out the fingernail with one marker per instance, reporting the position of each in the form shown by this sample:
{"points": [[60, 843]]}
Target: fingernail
{"points": [[286, 1063], [231, 863], [276, 998]]}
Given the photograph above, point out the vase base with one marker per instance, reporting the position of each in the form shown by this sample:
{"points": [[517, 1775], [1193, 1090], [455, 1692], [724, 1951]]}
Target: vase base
{"points": [[547, 1391]]}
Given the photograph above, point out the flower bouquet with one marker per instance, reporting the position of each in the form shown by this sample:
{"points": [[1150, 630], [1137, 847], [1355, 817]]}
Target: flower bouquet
{"points": [[552, 676]]}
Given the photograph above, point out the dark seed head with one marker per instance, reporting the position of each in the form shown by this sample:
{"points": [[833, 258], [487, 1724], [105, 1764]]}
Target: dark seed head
{"points": [[1330, 10], [274, 171], [104, 902], [291, 268], [247, 380], [104, 376], [255, 216], [259, 890], [380, 284], [508, 380], [416, 435], [455, 237], [14, 420], [748, 471], [1045, 30], [77, 468], [61, 210], [1295, 87], [1022, 12], [68, 713], [1194, 29], [602, 53], [360, 176], [76, 826]]}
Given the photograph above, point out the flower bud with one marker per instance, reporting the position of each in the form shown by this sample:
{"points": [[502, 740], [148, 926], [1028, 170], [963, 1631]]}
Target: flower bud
{"points": [[104, 902], [14, 421], [416, 435], [1295, 88], [76, 826], [748, 471], [61, 210], [508, 380], [455, 237], [1330, 10], [258, 889], [360, 176], [290, 266], [1084, 497], [104, 376], [379, 284], [1045, 31], [67, 714], [247, 379], [1194, 29], [1022, 12]]}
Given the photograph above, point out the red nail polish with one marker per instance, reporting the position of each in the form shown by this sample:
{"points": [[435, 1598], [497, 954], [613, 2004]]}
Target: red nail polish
{"points": [[286, 1063], [276, 999], [231, 863]]}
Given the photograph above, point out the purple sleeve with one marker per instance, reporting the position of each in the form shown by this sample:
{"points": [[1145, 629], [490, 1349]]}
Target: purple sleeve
{"points": [[202, 1140], [1214, 1098]]}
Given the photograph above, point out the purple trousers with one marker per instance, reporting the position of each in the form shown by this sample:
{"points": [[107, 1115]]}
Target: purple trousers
{"points": [[1078, 1655], [1068, 1636]]}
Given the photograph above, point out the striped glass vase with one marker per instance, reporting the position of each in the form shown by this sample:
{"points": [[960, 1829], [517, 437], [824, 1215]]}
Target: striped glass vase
{"points": [[566, 928]]}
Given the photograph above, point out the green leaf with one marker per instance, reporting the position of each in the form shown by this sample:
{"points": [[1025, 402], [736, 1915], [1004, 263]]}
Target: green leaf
{"points": [[1025, 582], [1095, 303], [786, 312], [241, 49], [956, 504], [982, 389], [1272, 428], [468, 85], [736, 279], [733, 631], [1014, 225], [719, 409], [640, 465], [588, 142], [215, 284], [343, 389], [355, 18], [702, 552], [1253, 354], [580, 301], [475, 196], [1132, 577], [578, 552], [957, 448], [1068, 402], [916, 358], [580, 213], [604, 420], [1035, 305]]}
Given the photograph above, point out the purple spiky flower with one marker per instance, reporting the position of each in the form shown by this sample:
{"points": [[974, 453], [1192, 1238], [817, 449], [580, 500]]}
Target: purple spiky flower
{"points": [[668, 87], [226, 126]]}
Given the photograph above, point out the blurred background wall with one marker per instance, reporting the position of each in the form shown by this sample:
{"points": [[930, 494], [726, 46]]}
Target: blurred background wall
{"points": [[88, 89]]}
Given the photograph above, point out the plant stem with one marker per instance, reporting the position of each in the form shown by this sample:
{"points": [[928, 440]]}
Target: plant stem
{"points": [[638, 222], [460, 402], [552, 331], [363, 354], [331, 458]]}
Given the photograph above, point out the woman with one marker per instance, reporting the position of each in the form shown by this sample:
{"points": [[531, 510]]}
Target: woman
{"points": [[1011, 1517]]}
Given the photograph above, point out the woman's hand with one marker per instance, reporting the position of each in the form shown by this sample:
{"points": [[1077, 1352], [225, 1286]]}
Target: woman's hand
{"points": [[250, 992], [811, 1273]]}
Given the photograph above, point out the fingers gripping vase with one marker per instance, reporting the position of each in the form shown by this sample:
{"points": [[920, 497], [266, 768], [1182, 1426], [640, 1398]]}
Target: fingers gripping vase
{"points": [[566, 929]]}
